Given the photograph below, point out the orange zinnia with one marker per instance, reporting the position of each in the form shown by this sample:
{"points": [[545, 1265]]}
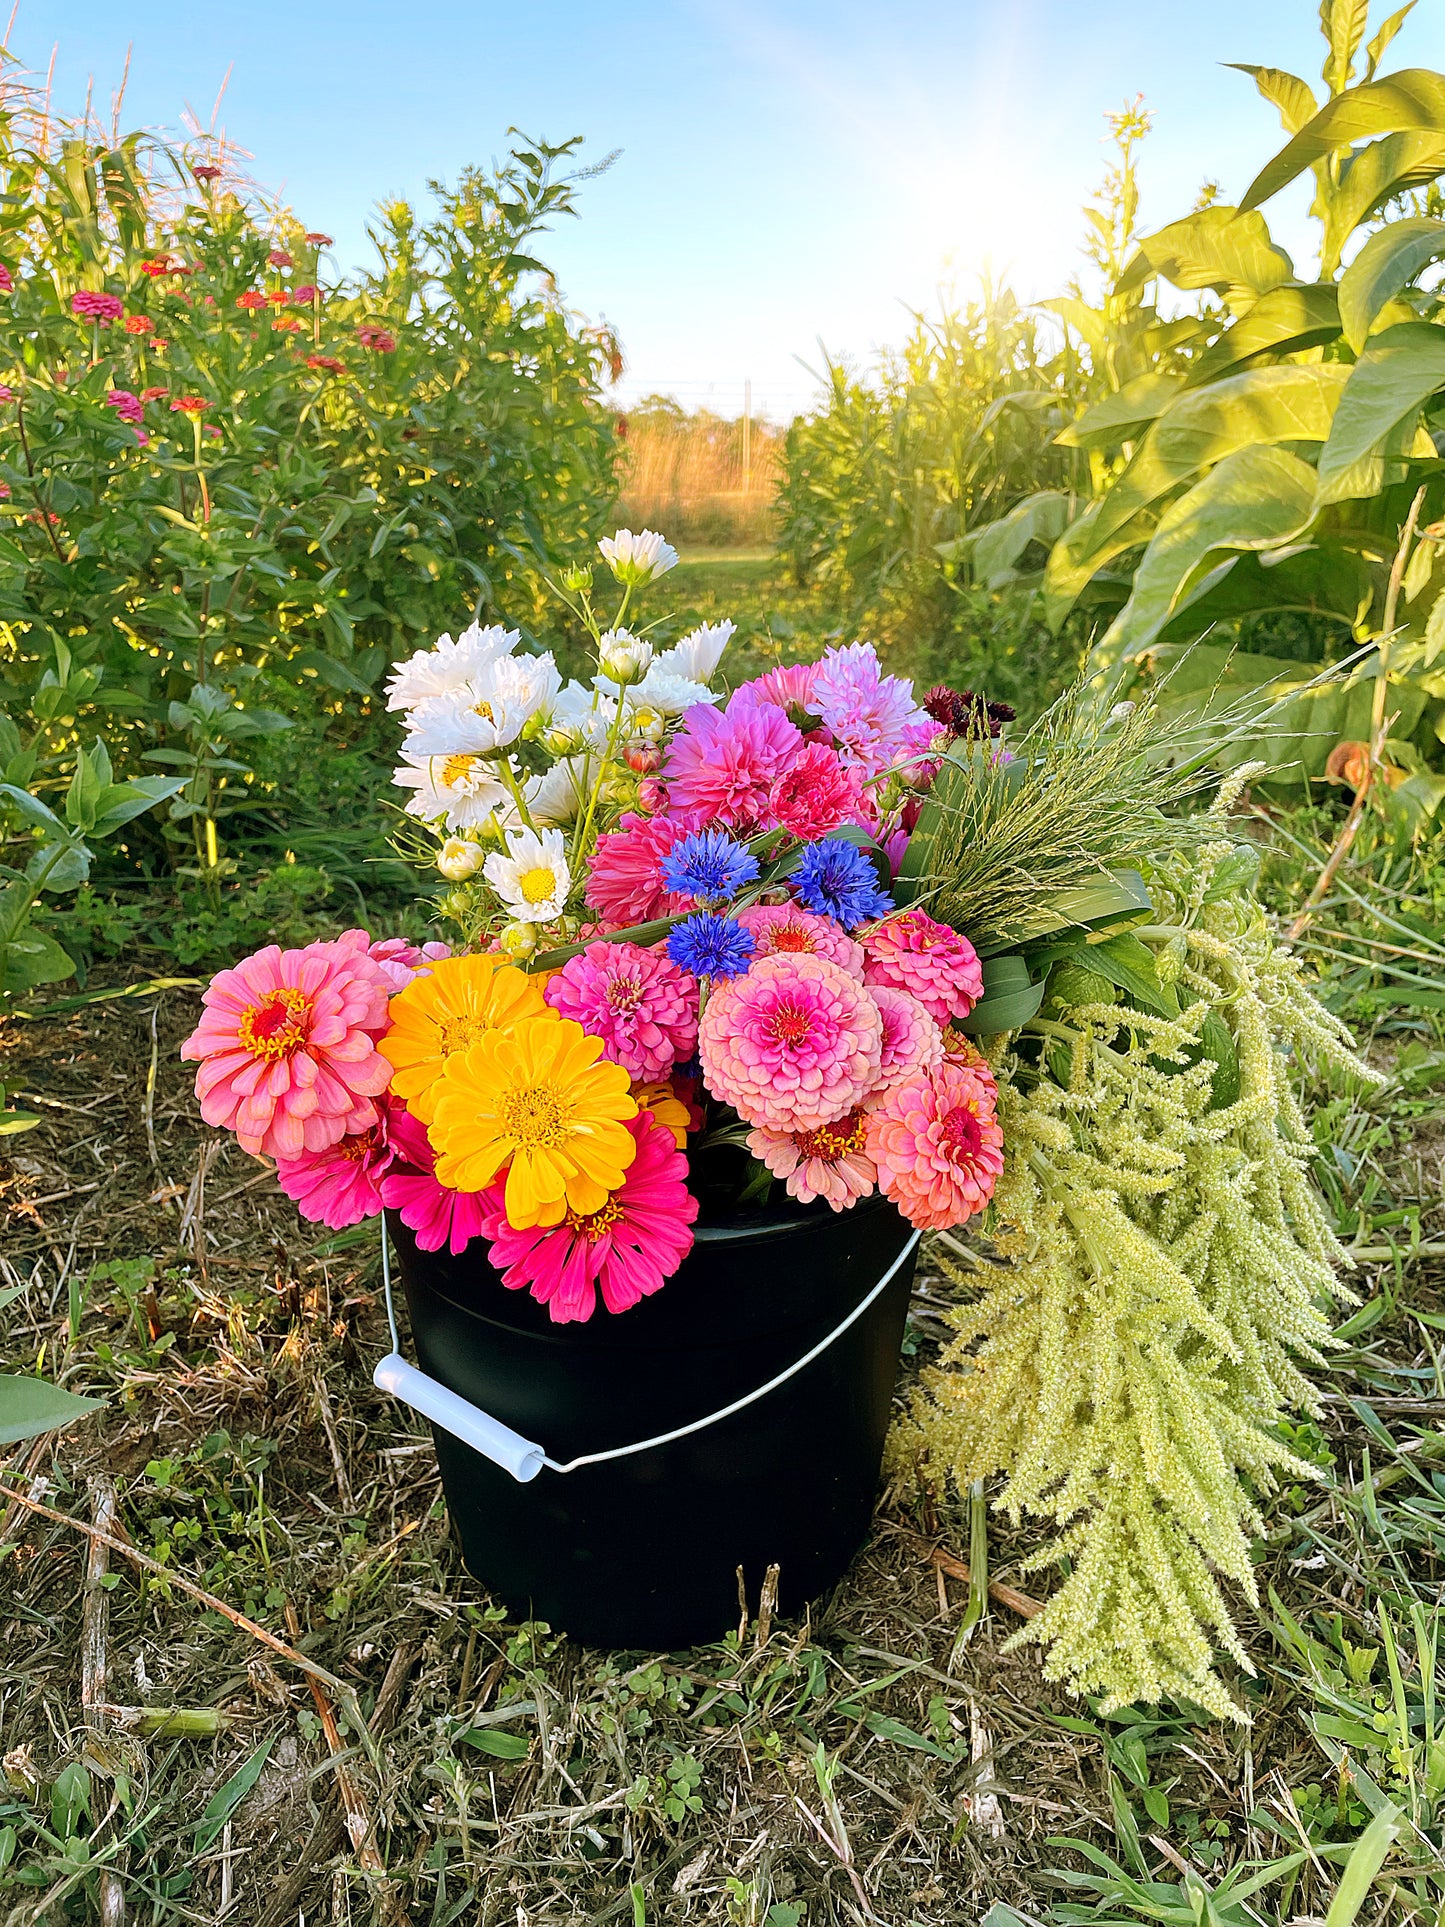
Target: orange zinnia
{"points": [[460, 1001]]}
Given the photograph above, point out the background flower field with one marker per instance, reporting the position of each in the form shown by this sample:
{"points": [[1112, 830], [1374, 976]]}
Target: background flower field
{"points": [[212, 552]]}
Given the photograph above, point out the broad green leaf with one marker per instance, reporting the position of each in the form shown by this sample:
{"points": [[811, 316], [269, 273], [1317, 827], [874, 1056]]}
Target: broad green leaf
{"points": [[29, 959], [1084, 320], [1292, 96], [30, 1406], [1079, 554], [1388, 262], [1373, 177], [1010, 997], [1322, 579], [1129, 965], [1282, 322], [1286, 404], [1412, 100], [1344, 23], [1118, 417], [1365, 1861], [501, 1746], [338, 674], [32, 809], [994, 549], [120, 802], [65, 869], [1379, 409], [70, 1800], [1375, 52], [1256, 498], [1217, 247], [224, 1801]]}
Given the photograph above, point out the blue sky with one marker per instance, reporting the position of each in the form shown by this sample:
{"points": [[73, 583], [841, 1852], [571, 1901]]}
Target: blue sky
{"points": [[789, 172]]}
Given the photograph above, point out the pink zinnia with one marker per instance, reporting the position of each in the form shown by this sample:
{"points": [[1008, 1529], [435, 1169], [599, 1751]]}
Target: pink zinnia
{"points": [[91, 306], [829, 1162], [789, 688], [287, 1051], [342, 1184], [911, 1039], [787, 929], [437, 1215], [624, 885], [637, 1001], [398, 960], [7, 280], [722, 764], [929, 960], [815, 795], [937, 1145], [126, 405], [628, 1249], [793, 1044], [867, 713]]}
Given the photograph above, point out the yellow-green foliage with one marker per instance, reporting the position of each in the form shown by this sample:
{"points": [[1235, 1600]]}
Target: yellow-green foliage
{"points": [[1170, 1267]]}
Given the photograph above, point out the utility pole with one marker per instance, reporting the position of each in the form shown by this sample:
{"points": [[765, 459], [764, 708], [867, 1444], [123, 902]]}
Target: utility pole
{"points": [[748, 436]]}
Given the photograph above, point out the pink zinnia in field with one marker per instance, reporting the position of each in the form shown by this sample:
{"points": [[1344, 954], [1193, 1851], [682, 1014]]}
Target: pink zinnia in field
{"points": [[937, 1145], [911, 1039], [929, 960], [829, 1162], [91, 306], [287, 1048], [437, 1215], [128, 406], [867, 713], [787, 929], [815, 795], [398, 960], [624, 885], [722, 764], [793, 1044], [342, 1184], [628, 1249], [7, 280], [637, 1001]]}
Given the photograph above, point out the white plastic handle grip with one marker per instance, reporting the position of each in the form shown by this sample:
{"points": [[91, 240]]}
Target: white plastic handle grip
{"points": [[487, 1435]]}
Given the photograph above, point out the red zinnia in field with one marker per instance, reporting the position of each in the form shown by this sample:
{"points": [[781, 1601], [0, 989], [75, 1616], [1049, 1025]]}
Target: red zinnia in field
{"points": [[318, 240], [250, 299], [154, 394], [328, 364], [380, 339], [206, 172], [193, 405], [159, 265], [279, 298], [96, 307], [305, 294], [279, 258], [7, 280], [138, 324], [287, 324]]}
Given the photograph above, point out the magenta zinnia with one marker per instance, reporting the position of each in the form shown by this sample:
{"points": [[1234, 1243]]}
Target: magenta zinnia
{"points": [[344, 1183], [637, 1001], [927, 959], [625, 883], [437, 1215], [287, 1048], [937, 1145], [627, 1249], [815, 795], [793, 1044], [829, 1162], [722, 764]]}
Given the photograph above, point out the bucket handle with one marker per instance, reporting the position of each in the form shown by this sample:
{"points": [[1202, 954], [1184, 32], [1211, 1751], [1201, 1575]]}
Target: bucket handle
{"points": [[523, 1458]]}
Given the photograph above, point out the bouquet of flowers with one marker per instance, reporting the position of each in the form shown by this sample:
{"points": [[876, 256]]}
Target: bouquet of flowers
{"points": [[680, 976]]}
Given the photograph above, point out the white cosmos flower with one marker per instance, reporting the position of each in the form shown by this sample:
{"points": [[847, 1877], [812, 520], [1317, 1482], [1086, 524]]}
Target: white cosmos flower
{"points": [[460, 789], [448, 665], [663, 689], [585, 715], [560, 794], [623, 657], [489, 710], [532, 880], [699, 653], [635, 559]]}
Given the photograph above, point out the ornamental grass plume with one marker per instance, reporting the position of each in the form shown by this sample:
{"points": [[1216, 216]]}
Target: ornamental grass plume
{"points": [[1171, 1264], [458, 1001], [540, 1100], [626, 1248]]}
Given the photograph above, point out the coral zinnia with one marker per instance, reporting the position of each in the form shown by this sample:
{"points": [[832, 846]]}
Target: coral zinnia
{"points": [[786, 929], [829, 1162], [937, 1145], [637, 1001], [541, 1099], [793, 1044], [410, 1189], [929, 960], [628, 1247], [344, 1183], [911, 1040], [625, 881], [720, 767], [287, 1048], [460, 1000]]}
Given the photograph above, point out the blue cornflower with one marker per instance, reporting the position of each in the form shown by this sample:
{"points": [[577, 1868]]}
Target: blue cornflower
{"points": [[711, 946], [708, 865], [837, 880]]}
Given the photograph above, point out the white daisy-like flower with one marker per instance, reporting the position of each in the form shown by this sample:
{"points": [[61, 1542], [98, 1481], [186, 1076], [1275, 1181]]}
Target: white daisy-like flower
{"points": [[623, 657], [582, 718], [663, 689], [559, 795], [448, 665], [489, 710], [635, 559], [460, 789], [532, 880], [699, 652]]}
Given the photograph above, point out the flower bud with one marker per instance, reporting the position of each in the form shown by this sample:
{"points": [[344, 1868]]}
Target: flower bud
{"points": [[457, 859], [649, 722], [561, 739], [644, 758], [651, 795], [578, 579], [623, 657], [458, 905], [518, 940]]}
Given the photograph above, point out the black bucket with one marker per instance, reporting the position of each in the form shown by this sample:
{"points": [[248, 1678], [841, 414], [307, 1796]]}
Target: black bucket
{"points": [[644, 1551]]}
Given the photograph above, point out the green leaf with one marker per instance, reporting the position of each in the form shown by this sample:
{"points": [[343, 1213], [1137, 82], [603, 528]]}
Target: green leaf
{"points": [[1375, 52], [30, 1406], [120, 802], [1374, 176], [1118, 417], [1378, 412], [1129, 965], [337, 674], [501, 1746], [32, 809], [65, 870], [1411, 100], [1344, 22], [70, 1800], [1388, 262], [1256, 498], [1292, 96], [32, 958], [1010, 997], [225, 1800], [1218, 247], [1365, 1861], [1079, 555], [1282, 322], [993, 550]]}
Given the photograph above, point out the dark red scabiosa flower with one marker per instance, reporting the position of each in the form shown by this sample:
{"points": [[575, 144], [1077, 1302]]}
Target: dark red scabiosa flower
{"points": [[963, 713], [206, 172]]}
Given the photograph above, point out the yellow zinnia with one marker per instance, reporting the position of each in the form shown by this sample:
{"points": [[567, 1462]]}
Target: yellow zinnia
{"points": [[540, 1099], [461, 1000], [667, 1109]]}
